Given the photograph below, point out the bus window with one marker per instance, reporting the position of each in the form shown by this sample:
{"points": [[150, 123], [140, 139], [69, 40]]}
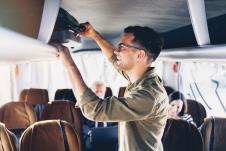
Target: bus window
{"points": [[206, 83], [6, 85]]}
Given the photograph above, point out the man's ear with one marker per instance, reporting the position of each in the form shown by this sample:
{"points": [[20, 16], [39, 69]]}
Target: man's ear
{"points": [[141, 54]]}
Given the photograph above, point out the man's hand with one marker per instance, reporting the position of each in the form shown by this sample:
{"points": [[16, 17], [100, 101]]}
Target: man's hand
{"points": [[89, 30], [64, 55]]}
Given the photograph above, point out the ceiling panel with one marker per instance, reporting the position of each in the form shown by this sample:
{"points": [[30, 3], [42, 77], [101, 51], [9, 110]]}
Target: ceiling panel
{"points": [[112, 16]]}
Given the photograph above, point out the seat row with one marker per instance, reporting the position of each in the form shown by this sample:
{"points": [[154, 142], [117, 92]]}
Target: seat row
{"points": [[39, 96], [57, 135], [50, 135], [180, 135], [180, 131], [18, 116]]}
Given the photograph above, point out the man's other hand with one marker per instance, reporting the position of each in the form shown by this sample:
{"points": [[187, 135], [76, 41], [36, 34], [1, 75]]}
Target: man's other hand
{"points": [[64, 55]]}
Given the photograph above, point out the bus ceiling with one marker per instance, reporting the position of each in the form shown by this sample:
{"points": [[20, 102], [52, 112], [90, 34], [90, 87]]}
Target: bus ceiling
{"points": [[192, 30]]}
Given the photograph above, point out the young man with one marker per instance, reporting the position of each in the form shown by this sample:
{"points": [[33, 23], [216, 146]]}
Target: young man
{"points": [[142, 112]]}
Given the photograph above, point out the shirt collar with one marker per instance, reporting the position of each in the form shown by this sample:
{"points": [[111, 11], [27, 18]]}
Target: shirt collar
{"points": [[149, 73]]}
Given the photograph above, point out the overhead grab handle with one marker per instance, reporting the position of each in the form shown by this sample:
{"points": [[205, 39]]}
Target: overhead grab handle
{"points": [[199, 22]]}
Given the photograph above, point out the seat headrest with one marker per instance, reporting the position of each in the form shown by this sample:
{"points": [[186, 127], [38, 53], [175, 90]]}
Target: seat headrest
{"points": [[7, 141], [213, 131], [17, 115], [50, 135], [197, 111], [64, 110], [65, 94], [108, 92], [121, 91], [23, 95], [180, 135], [35, 96]]}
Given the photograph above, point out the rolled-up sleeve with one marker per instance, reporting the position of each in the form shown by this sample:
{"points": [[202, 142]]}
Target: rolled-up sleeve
{"points": [[137, 105]]}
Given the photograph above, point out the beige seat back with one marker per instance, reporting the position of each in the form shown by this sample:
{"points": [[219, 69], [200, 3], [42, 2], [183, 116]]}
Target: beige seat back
{"points": [[7, 140], [17, 115], [64, 110], [23, 95], [180, 135], [50, 135], [197, 111], [34, 96]]}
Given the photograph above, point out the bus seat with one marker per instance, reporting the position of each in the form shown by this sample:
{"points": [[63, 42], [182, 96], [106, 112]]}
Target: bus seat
{"points": [[64, 110], [179, 135], [103, 139], [197, 111], [23, 95], [38, 98], [8, 141], [108, 92], [213, 131], [50, 135], [121, 91], [65, 94], [17, 116]]}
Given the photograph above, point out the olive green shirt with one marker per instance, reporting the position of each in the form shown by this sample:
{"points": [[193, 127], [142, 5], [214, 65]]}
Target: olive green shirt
{"points": [[141, 113]]}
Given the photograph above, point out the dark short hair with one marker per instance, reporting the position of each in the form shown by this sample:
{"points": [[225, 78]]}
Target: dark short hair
{"points": [[178, 96], [147, 38]]}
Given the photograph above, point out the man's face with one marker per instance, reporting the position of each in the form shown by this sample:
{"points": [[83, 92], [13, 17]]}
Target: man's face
{"points": [[127, 52]]}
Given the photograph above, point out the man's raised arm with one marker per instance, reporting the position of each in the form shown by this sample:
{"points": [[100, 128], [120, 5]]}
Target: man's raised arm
{"points": [[106, 47]]}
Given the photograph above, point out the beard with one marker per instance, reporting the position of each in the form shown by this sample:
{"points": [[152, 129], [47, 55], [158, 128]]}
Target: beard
{"points": [[121, 66]]}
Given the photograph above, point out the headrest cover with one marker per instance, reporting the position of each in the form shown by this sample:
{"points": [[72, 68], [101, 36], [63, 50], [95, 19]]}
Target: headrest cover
{"points": [[37, 96], [197, 111], [7, 142], [64, 110], [17, 115], [180, 135], [23, 95], [49, 135]]}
